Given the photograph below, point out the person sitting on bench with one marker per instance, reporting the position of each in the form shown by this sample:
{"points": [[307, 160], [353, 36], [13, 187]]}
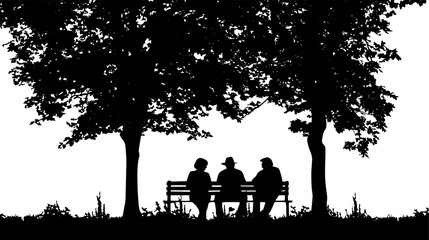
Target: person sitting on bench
{"points": [[199, 183], [231, 180], [268, 184]]}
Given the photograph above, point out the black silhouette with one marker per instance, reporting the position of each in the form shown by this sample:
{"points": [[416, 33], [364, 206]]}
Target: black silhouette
{"points": [[133, 66], [268, 184], [324, 62], [231, 180], [199, 182], [129, 67]]}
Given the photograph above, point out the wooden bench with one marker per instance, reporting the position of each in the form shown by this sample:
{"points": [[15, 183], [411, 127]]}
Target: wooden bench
{"points": [[176, 190]]}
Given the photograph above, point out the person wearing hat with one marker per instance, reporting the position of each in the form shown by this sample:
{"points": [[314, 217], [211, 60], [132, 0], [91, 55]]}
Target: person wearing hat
{"points": [[268, 184], [199, 182], [231, 180]]}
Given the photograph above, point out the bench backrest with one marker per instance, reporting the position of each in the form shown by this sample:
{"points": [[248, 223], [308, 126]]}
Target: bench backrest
{"points": [[180, 188]]}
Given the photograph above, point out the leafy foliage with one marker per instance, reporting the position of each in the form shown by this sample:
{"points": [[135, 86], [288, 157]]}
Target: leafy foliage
{"points": [[421, 214], [154, 65], [326, 55], [162, 65], [304, 212], [55, 212]]}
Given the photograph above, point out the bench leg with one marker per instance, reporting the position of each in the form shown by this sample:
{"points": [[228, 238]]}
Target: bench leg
{"points": [[287, 208], [168, 203]]}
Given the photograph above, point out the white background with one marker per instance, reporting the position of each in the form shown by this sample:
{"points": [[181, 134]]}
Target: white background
{"points": [[393, 180]]}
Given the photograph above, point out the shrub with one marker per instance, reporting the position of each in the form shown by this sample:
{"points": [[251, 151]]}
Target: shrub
{"points": [[420, 214], [10, 219], [356, 212], [100, 212], [304, 212], [54, 212]]}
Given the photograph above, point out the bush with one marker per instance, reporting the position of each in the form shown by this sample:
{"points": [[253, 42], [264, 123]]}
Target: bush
{"points": [[304, 212], [100, 212], [53, 212], [356, 212]]}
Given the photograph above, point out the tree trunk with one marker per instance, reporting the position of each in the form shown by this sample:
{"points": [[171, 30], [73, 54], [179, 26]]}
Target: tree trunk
{"points": [[316, 77], [131, 138], [318, 155]]}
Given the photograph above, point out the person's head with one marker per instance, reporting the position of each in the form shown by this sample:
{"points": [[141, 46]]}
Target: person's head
{"points": [[201, 164], [266, 162], [229, 162]]}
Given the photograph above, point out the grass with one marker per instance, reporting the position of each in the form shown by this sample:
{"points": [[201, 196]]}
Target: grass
{"points": [[57, 222]]}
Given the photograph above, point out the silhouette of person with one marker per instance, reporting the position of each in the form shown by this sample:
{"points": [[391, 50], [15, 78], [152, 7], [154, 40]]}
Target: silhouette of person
{"points": [[199, 183], [268, 184], [231, 180]]}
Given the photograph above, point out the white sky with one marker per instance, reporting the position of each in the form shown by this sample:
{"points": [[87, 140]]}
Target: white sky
{"points": [[33, 172]]}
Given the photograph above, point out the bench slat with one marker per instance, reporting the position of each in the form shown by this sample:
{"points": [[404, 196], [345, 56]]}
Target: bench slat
{"points": [[184, 183], [213, 188], [187, 192], [248, 200]]}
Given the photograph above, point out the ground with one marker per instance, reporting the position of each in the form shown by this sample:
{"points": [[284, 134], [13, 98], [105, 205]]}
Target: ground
{"points": [[178, 227]]}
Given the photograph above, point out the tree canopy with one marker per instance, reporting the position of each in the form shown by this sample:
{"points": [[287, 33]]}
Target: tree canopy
{"points": [[159, 65], [166, 64], [328, 53]]}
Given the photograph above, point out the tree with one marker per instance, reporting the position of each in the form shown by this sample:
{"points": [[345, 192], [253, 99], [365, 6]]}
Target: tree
{"points": [[322, 68], [130, 67]]}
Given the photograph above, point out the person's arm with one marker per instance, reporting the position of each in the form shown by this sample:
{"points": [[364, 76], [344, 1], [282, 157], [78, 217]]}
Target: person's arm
{"points": [[243, 179], [255, 179], [209, 181], [189, 181], [279, 180], [279, 176], [219, 178]]}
